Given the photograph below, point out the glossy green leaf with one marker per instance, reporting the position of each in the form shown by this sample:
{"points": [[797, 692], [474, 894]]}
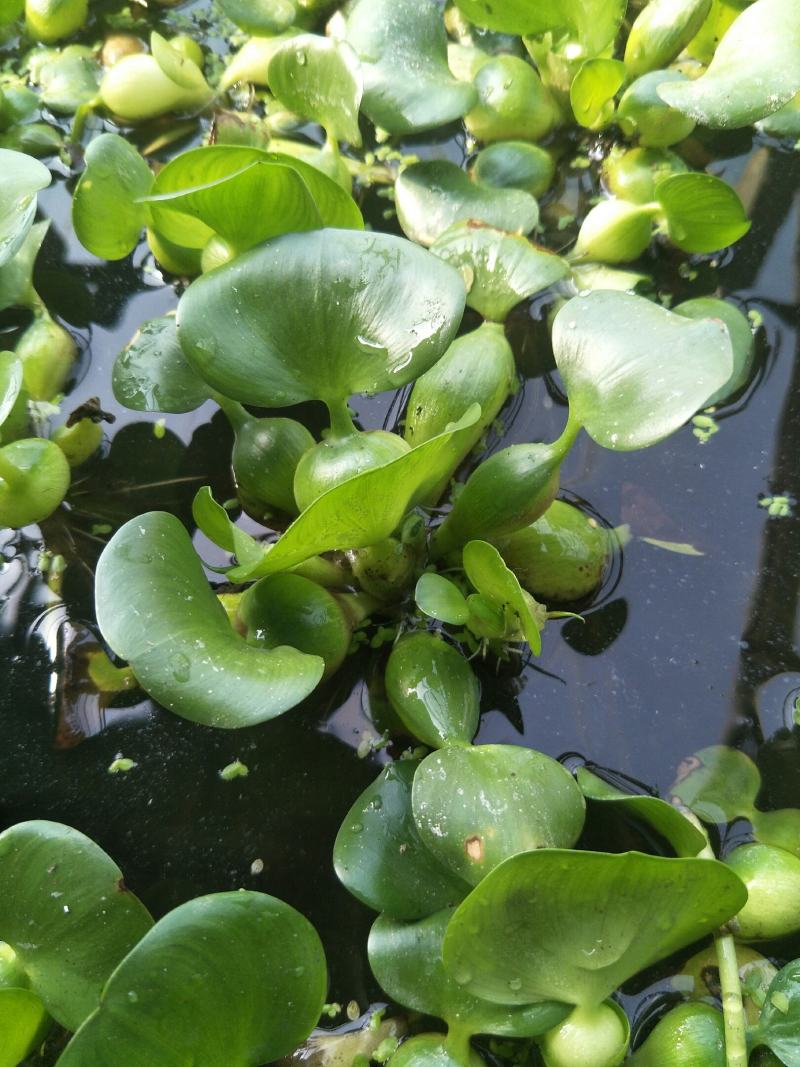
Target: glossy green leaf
{"points": [[226, 980], [406, 959], [226, 189], [176, 636], [262, 17], [474, 807], [500, 269], [178, 67], [703, 213], [744, 83], [514, 165], [367, 508], [512, 104], [403, 51], [574, 926], [741, 334], [34, 478], [320, 79], [380, 858], [779, 1024], [10, 383], [719, 784], [65, 911], [23, 177], [593, 23], [433, 689], [635, 372], [214, 521], [593, 90], [23, 1024], [661, 31], [16, 275], [439, 598], [251, 62], [106, 212], [430, 197], [685, 838], [376, 310], [69, 80], [486, 570], [152, 373]]}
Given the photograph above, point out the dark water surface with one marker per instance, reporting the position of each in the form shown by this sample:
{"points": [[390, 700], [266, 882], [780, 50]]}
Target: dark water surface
{"points": [[678, 651]]}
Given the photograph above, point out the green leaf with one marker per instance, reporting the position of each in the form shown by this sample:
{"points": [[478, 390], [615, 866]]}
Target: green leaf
{"points": [[593, 23], [474, 807], [574, 926], [661, 31], [23, 177], [226, 980], [260, 17], [380, 858], [214, 521], [703, 213], [376, 310], [406, 959], [745, 82], [635, 372], [441, 599], [778, 1026], [402, 46], [492, 579], [433, 690], [593, 90], [431, 196], [65, 911], [69, 80], [10, 384], [246, 195], [514, 165], [176, 636], [23, 1024], [152, 373], [741, 334], [179, 68], [320, 79], [667, 820], [719, 784], [367, 508], [106, 212], [16, 275], [500, 269]]}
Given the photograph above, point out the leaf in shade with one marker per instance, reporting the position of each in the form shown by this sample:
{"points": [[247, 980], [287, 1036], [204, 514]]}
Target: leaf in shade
{"points": [[778, 1026], [23, 177], [152, 373], [10, 384], [441, 599], [497, 584], [264, 17], [176, 635], [719, 784]]}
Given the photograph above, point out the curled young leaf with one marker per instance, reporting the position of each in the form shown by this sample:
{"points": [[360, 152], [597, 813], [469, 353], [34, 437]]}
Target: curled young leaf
{"points": [[499, 586]]}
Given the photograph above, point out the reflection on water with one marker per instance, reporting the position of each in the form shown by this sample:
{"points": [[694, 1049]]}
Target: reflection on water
{"points": [[680, 651]]}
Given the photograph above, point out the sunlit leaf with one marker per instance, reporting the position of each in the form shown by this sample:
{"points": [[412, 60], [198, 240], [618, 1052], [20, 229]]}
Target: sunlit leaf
{"points": [[227, 979], [176, 635], [152, 373], [23, 177], [593, 90], [778, 1026], [106, 212], [703, 213], [67, 914], [16, 275], [441, 599], [23, 1025], [486, 570], [574, 926], [10, 383], [635, 372], [214, 521], [593, 23], [260, 16], [320, 79]]}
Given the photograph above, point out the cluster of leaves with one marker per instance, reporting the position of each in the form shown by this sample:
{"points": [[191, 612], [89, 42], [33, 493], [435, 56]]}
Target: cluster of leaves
{"points": [[489, 917]]}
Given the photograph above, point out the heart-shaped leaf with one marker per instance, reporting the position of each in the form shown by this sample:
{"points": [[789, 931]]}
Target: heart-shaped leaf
{"points": [[380, 858], [176, 636], [441, 599], [376, 310], [635, 372], [245, 195], [107, 212], [403, 51], [574, 926], [779, 1023], [430, 197], [475, 807], [703, 213], [23, 1024], [23, 177], [321, 80], [719, 784], [227, 980], [367, 508], [66, 913], [433, 690], [498, 585], [593, 90], [406, 958], [500, 269], [667, 820], [744, 83], [152, 374], [10, 383]]}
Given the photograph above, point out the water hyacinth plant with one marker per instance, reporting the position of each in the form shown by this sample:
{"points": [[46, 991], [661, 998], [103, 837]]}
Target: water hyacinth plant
{"points": [[327, 245]]}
